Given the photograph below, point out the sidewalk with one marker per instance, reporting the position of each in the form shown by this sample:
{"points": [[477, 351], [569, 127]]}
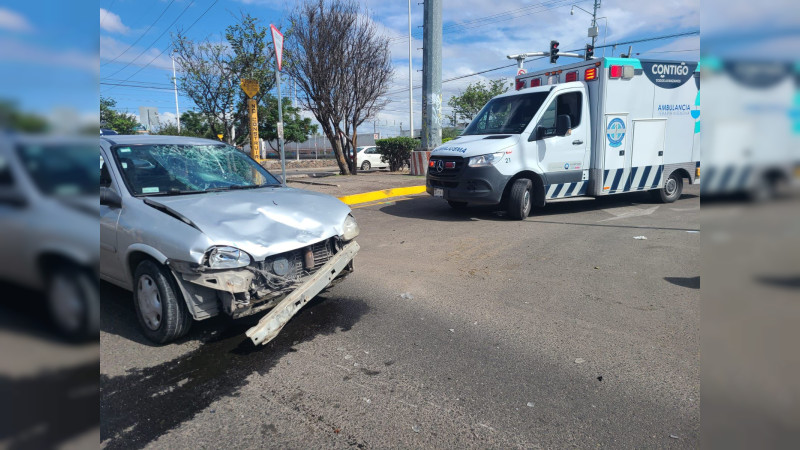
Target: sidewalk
{"points": [[342, 185]]}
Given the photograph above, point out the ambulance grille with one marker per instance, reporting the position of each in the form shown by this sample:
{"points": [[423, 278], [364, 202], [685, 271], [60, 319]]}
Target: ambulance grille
{"points": [[459, 161]]}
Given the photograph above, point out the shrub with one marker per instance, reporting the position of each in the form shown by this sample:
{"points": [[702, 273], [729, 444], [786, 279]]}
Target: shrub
{"points": [[445, 140], [396, 151]]}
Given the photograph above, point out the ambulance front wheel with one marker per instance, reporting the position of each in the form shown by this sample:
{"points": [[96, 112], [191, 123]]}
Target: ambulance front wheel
{"points": [[673, 187], [519, 199]]}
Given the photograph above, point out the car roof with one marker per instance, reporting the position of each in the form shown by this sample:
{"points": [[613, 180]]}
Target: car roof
{"points": [[134, 139]]}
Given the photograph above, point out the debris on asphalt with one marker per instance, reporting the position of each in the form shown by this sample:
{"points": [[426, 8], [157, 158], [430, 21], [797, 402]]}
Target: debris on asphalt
{"points": [[600, 378], [348, 356], [693, 231], [366, 400], [579, 360], [416, 428], [673, 436], [596, 268], [452, 330], [407, 296], [641, 238], [530, 404]]}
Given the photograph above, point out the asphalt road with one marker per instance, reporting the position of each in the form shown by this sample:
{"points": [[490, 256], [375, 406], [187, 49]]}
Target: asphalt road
{"points": [[561, 330]]}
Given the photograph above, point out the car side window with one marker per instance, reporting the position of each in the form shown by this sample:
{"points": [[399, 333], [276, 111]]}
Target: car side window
{"points": [[105, 176], [6, 179]]}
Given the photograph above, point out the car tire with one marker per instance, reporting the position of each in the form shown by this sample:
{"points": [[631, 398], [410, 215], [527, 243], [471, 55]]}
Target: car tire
{"points": [[519, 199], [457, 205], [673, 187], [365, 165], [160, 307], [73, 303]]}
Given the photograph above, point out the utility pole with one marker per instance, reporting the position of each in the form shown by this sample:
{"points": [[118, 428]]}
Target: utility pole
{"points": [[431, 76], [593, 31], [410, 77], [175, 87]]}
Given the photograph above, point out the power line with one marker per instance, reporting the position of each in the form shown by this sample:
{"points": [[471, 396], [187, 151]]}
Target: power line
{"points": [[140, 36], [170, 45], [156, 39]]}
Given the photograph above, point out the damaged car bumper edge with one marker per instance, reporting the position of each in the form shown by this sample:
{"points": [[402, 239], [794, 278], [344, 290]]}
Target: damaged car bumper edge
{"points": [[271, 324]]}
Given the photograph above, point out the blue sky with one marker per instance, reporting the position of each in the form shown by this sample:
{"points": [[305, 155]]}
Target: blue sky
{"points": [[134, 34]]}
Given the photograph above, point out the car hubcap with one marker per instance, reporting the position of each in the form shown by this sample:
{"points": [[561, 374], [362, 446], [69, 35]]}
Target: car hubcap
{"points": [[66, 304], [671, 186], [149, 301]]}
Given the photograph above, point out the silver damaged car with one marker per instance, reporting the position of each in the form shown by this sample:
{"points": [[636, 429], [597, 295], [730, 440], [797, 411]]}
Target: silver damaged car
{"points": [[196, 228]]}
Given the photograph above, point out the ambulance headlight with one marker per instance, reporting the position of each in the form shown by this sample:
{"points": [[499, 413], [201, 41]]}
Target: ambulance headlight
{"points": [[350, 228], [486, 160]]}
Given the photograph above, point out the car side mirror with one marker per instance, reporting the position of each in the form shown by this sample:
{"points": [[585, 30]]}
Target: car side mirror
{"points": [[538, 133], [109, 197], [563, 124], [13, 198]]}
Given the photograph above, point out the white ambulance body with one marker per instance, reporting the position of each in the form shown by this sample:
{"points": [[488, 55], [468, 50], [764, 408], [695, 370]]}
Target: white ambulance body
{"points": [[751, 127], [592, 128]]}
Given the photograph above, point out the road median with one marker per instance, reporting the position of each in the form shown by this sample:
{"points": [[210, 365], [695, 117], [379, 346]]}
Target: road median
{"points": [[367, 197]]}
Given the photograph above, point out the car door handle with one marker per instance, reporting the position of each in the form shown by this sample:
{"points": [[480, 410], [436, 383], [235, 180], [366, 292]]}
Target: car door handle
{"points": [[577, 142]]}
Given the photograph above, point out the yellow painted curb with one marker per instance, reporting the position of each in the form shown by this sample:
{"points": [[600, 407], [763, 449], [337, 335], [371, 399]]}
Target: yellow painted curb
{"points": [[379, 195]]}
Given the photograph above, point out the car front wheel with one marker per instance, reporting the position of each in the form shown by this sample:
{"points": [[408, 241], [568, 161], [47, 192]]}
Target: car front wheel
{"points": [[73, 302], [160, 308]]}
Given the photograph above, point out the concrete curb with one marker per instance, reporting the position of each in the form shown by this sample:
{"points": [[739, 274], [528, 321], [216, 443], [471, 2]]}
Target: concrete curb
{"points": [[379, 195]]}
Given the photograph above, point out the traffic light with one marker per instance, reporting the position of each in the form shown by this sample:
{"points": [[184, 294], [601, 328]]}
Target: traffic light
{"points": [[589, 52], [553, 52]]}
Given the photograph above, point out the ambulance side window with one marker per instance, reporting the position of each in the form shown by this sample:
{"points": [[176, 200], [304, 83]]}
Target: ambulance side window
{"points": [[569, 104]]}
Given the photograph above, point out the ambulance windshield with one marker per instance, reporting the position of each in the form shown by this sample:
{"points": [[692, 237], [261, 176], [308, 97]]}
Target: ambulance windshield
{"points": [[506, 115]]}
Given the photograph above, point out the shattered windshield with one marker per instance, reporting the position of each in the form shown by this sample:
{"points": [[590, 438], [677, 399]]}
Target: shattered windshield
{"points": [[506, 115], [188, 169], [62, 169]]}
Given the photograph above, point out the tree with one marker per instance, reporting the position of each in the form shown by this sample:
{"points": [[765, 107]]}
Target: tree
{"points": [[295, 129], [396, 151], [469, 102], [208, 78], [192, 124], [342, 66], [121, 122], [11, 116]]}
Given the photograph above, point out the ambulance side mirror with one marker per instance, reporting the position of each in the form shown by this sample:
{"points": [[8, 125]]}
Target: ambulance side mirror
{"points": [[563, 124], [538, 134]]}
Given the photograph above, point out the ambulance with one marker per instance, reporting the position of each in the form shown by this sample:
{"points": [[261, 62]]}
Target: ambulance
{"points": [[592, 128]]}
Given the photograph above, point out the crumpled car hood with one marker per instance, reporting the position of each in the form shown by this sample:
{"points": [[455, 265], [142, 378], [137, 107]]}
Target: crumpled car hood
{"points": [[467, 146], [264, 221]]}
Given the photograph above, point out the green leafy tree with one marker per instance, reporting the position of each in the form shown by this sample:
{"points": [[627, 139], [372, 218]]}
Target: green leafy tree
{"points": [[13, 118], [469, 102], [295, 128], [450, 133], [121, 122], [193, 124], [396, 151]]}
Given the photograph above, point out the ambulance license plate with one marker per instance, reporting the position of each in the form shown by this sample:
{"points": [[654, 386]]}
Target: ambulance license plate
{"points": [[438, 192]]}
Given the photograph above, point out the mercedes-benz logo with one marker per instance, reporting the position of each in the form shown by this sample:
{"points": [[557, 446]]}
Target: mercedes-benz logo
{"points": [[438, 166]]}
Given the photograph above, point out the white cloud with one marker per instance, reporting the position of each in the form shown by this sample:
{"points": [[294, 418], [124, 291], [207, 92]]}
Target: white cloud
{"points": [[13, 50], [10, 20], [112, 22]]}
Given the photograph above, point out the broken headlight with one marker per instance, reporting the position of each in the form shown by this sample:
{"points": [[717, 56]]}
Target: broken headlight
{"points": [[350, 228], [225, 257]]}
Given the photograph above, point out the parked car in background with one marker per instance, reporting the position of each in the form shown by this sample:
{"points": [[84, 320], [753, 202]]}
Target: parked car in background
{"points": [[48, 224], [369, 158], [196, 228]]}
